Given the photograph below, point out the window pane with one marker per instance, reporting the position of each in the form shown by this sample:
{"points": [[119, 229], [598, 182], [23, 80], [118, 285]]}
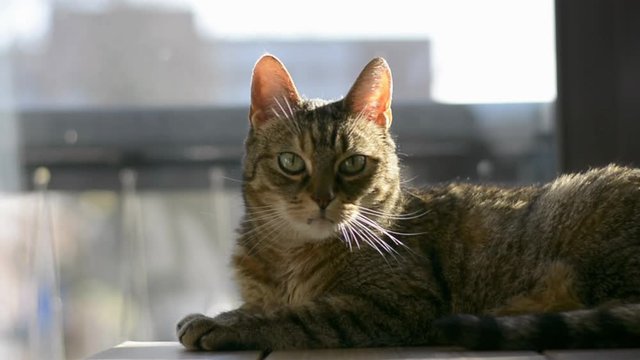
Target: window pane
{"points": [[139, 110], [75, 53]]}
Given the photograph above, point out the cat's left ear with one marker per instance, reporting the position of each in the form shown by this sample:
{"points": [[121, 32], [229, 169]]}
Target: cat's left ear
{"points": [[370, 95], [272, 91]]}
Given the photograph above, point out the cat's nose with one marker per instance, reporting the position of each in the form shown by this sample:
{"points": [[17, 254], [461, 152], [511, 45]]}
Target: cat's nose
{"points": [[323, 199]]}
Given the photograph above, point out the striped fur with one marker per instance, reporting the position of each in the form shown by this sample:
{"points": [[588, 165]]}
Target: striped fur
{"points": [[329, 260], [592, 328]]}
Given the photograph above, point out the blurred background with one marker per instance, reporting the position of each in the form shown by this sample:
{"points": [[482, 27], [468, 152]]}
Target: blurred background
{"points": [[122, 126]]}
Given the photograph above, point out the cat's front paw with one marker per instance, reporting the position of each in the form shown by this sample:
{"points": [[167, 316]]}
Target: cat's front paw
{"points": [[192, 328], [200, 332]]}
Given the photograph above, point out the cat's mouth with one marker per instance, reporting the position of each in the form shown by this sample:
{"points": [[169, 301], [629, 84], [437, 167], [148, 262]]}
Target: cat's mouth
{"points": [[318, 226], [312, 223], [320, 220]]}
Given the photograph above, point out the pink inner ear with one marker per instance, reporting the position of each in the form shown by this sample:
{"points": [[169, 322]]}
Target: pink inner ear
{"points": [[272, 89], [370, 95]]}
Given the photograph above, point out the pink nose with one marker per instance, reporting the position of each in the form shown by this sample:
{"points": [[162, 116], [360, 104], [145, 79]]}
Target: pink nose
{"points": [[323, 200]]}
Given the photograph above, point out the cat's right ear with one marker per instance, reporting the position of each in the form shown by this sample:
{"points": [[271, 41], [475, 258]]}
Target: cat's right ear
{"points": [[272, 91]]}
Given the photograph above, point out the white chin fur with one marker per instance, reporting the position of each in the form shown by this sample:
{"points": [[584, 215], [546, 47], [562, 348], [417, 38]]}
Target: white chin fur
{"points": [[318, 229]]}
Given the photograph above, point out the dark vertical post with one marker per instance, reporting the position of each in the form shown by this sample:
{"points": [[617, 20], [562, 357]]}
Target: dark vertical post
{"points": [[598, 48]]}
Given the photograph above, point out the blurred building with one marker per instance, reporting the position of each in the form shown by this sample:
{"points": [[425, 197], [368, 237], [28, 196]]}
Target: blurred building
{"points": [[134, 56], [126, 56]]}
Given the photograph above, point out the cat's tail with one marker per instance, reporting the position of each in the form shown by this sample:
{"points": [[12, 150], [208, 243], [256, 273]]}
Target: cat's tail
{"points": [[593, 328]]}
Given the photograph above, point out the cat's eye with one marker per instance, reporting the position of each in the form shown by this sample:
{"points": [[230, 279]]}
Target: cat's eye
{"points": [[291, 163], [353, 165]]}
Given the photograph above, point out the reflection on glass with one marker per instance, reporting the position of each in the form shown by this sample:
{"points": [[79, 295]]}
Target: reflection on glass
{"points": [[45, 335]]}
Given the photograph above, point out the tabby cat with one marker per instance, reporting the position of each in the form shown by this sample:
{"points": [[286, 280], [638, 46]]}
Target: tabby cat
{"points": [[335, 252]]}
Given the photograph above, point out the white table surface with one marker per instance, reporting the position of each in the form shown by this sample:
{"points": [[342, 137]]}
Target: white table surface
{"points": [[173, 350]]}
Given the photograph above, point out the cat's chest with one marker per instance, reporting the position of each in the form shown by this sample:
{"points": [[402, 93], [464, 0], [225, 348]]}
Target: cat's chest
{"points": [[294, 277], [305, 277], [306, 273]]}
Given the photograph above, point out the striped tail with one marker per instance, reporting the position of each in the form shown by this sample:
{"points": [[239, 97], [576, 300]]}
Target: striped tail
{"points": [[594, 328]]}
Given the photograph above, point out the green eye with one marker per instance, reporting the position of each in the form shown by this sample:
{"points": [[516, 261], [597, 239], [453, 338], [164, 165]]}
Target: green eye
{"points": [[353, 165], [291, 163]]}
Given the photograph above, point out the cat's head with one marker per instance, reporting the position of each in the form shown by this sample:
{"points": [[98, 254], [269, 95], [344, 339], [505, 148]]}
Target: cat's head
{"points": [[315, 169]]}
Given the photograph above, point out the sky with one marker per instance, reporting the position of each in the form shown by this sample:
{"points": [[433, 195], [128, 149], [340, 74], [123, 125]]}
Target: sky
{"points": [[483, 50]]}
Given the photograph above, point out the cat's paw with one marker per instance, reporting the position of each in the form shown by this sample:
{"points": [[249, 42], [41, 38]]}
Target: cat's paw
{"points": [[192, 328], [200, 332]]}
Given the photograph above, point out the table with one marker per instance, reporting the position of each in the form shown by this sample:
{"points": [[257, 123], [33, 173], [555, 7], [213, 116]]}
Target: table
{"points": [[173, 350]]}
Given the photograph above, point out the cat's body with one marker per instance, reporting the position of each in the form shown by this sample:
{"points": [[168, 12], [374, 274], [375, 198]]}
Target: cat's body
{"points": [[333, 252]]}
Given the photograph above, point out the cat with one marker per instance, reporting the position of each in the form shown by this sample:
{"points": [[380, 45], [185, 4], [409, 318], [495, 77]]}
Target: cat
{"points": [[334, 251]]}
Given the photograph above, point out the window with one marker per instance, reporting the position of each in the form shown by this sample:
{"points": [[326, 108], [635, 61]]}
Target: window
{"points": [[138, 111]]}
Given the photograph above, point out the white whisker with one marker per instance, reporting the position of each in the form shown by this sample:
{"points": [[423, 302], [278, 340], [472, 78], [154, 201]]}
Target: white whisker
{"points": [[376, 226], [371, 235], [353, 235], [258, 206], [388, 232], [350, 232], [379, 240], [259, 219], [345, 236], [263, 225], [261, 211], [358, 229], [276, 228], [409, 216]]}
